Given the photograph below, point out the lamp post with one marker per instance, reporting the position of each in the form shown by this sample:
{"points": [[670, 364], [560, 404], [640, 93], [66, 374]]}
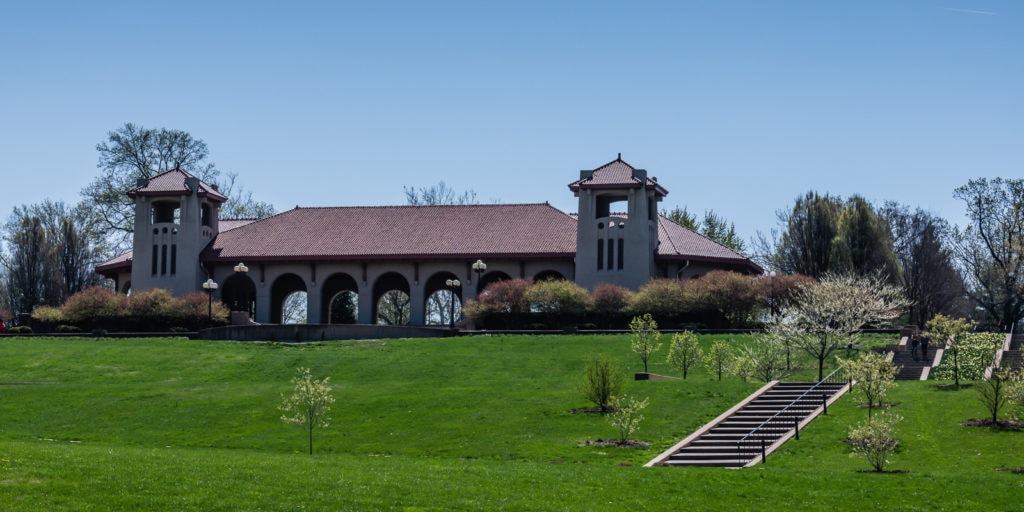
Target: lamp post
{"points": [[479, 267], [454, 284], [210, 286]]}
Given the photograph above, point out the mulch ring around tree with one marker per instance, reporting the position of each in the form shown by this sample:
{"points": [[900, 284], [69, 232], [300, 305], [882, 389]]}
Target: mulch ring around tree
{"points": [[1003, 424], [620, 444], [884, 405], [590, 410], [1018, 471]]}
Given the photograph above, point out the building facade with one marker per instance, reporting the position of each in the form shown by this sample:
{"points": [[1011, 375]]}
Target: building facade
{"points": [[372, 252]]}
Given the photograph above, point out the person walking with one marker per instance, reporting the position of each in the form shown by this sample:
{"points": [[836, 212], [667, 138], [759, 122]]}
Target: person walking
{"points": [[915, 344], [924, 347]]}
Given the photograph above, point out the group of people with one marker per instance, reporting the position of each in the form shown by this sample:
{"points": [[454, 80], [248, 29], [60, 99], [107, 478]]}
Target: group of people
{"points": [[919, 347]]}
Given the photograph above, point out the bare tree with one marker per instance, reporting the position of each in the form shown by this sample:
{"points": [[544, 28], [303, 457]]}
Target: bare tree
{"points": [[440, 194], [991, 249]]}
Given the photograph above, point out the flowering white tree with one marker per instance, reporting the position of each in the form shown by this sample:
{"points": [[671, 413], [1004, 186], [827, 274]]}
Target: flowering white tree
{"points": [[309, 403], [874, 375], [626, 415], [684, 353], [830, 314], [645, 337]]}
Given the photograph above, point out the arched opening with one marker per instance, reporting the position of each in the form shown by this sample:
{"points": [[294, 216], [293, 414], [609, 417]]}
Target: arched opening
{"points": [[239, 293], [127, 288], [294, 309], [490, 277], [340, 303], [548, 274], [391, 303], [281, 295], [166, 212], [444, 303]]}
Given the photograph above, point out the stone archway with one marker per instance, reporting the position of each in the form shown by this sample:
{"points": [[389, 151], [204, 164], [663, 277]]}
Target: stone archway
{"points": [[283, 286], [392, 304], [441, 301], [340, 300], [239, 293]]}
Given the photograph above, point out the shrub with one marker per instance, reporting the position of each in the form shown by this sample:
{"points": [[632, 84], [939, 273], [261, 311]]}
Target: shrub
{"points": [[602, 380], [728, 297], [608, 298], [763, 359], [626, 415], [48, 315], [557, 296], [974, 354], [874, 439], [20, 329], [65, 328], [94, 306], [995, 391], [874, 375], [507, 296], [658, 297]]}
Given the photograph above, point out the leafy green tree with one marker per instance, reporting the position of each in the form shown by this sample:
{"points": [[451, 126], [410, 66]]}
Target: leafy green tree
{"points": [[874, 439], [805, 246], [626, 416], [645, 336], [930, 279], [873, 374], [684, 352], [950, 332], [990, 249], [718, 358], [659, 297], [862, 244], [602, 380], [713, 226], [309, 404], [830, 314]]}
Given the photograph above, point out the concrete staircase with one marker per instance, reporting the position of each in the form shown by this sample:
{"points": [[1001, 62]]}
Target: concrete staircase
{"points": [[755, 427]]}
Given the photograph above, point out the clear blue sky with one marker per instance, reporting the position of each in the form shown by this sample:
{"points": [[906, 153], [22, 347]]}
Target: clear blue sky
{"points": [[736, 106]]}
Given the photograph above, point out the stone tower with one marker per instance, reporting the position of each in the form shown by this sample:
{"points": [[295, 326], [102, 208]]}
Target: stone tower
{"points": [[175, 218], [614, 245]]}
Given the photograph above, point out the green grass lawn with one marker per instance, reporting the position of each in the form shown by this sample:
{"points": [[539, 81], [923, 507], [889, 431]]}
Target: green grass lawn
{"points": [[478, 423]]}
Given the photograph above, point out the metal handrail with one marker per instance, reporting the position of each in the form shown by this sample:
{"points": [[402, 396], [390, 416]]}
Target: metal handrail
{"points": [[792, 422]]}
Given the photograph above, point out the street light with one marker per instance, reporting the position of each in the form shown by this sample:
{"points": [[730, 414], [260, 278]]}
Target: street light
{"points": [[454, 284], [479, 267], [210, 286]]}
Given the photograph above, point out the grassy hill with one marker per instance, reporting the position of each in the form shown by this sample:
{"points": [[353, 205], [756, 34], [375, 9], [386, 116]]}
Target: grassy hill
{"points": [[477, 423]]}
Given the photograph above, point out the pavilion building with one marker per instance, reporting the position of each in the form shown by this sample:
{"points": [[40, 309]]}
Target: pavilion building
{"points": [[616, 237]]}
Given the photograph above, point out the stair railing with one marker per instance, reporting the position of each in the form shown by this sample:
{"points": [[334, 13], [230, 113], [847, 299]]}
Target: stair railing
{"points": [[784, 420]]}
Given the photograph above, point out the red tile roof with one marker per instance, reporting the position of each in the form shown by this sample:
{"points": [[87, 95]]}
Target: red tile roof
{"points": [[678, 242], [615, 174], [123, 261], [396, 232], [172, 183]]}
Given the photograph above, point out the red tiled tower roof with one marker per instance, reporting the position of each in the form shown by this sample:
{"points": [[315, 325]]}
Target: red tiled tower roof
{"points": [[173, 183], [616, 174]]}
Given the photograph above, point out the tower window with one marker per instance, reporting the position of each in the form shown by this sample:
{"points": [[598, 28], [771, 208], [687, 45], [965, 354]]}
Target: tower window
{"points": [[622, 250], [163, 259], [205, 213], [611, 254], [600, 254], [174, 258], [155, 257]]}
